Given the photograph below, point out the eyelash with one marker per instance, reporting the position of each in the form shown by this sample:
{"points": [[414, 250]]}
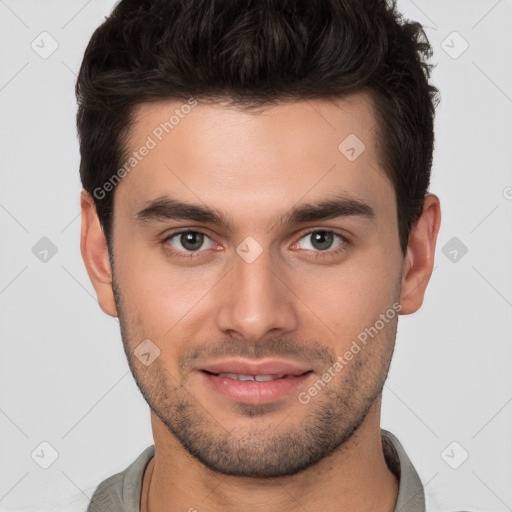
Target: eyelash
{"points": [[190, 254]]}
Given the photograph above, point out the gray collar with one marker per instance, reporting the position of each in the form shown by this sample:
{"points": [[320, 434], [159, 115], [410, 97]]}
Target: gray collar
{"points": [[411, 496]]}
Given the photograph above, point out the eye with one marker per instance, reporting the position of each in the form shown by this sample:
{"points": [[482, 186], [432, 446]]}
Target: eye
{"points": [[322, 241], [186, 243], [190, 241]]}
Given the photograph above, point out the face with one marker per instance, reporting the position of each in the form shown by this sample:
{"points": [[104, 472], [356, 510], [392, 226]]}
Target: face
{"points": [[251, 300]]}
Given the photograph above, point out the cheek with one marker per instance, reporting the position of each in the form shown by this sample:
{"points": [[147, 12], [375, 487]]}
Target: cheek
{"points": [[161, 299], [353, 297]]}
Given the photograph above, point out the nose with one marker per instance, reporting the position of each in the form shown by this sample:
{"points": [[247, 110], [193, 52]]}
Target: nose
{"points": [[256, 301]]}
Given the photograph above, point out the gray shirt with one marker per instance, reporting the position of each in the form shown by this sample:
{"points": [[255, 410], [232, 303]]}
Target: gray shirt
{"points": [[121, 492]]}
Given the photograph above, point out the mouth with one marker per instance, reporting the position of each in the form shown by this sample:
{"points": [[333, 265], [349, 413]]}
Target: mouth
{"points": [[254, 383], [254, 378]]}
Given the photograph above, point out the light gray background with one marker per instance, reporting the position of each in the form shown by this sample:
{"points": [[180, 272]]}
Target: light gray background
{"points": [[64, 376]]}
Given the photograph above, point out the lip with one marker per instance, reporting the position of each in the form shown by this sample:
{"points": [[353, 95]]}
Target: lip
{"points": [[254, 392], [265, 367]]}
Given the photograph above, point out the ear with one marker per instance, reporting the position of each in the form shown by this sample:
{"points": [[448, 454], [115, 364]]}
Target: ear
{"points": [[419, 258], [93, 246]]}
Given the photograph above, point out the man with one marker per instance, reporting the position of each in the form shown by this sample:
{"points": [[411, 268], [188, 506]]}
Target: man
{"points": [[256, 214]]}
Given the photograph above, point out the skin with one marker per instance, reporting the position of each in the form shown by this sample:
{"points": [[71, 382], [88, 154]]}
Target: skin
{"points": [[294, 302]]}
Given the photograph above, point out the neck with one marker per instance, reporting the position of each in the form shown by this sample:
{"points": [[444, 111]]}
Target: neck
{"points": [[354, 477]]}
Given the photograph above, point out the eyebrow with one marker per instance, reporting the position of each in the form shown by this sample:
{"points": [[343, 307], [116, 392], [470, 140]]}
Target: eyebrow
{"points": [[166, 208]]}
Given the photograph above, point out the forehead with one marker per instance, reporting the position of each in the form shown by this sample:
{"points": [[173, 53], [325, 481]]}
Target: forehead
{"points": [[255, 163]]}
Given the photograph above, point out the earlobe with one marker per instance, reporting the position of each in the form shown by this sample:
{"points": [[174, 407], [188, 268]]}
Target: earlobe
{"points": [[419, 259], [93, 247]]}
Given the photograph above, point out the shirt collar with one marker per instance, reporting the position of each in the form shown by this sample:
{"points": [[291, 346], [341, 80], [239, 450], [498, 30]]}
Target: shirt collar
{"points": [[411, 495]]}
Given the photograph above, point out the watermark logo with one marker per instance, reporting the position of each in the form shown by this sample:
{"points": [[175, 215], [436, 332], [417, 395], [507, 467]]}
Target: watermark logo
{"points": [[146, 352], [44, 250], [455, 455], [44, 455], [454, 249], [351, 147], [44, 45], [454, 45], [249, 249]]}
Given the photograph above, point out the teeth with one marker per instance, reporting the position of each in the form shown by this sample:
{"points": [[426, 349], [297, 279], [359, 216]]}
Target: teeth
{"points": [[263, 378], [244, 377], [257, 378]]}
